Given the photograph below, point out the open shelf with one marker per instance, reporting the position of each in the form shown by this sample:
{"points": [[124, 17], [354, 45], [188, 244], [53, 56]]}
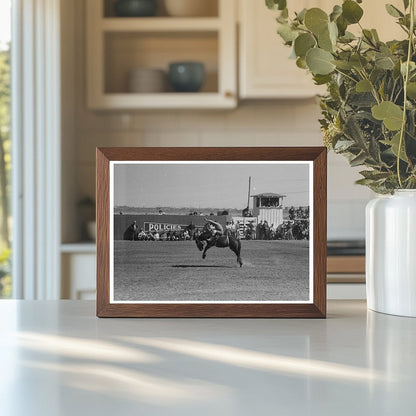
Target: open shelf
{"points": [[127, 51], [87, 247], [167, 100], [119, 45], [160, 24], [210, 9]]}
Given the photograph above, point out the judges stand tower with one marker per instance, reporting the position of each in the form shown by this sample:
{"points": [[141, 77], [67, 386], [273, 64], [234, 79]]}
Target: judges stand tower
{"points": [[268, 207]]}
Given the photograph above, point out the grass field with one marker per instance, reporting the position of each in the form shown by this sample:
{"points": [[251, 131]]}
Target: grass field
{"points": [[175, 271]]}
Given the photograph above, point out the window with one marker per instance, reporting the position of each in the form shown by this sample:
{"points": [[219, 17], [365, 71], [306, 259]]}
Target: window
{"points": [[5, 147]]}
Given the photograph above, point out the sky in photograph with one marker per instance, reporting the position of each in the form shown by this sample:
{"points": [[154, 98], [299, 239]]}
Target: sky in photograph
{"points": [[207, 185]]}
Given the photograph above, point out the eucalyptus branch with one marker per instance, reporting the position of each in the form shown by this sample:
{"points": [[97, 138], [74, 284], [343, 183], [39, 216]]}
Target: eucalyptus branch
{"points": [[386, 96], [373, 88], [404, 28], [392, 91], [398, 95], [406, 80], [346, 75]]}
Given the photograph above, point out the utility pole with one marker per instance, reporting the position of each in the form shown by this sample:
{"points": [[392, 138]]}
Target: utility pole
{"points": [[248, 196]]}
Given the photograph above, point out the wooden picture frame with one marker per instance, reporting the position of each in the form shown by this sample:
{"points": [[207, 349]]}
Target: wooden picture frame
{"points": [[305, 159]]}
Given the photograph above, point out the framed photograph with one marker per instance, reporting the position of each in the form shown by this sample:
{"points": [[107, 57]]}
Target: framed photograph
{"points": [[211, 232]]}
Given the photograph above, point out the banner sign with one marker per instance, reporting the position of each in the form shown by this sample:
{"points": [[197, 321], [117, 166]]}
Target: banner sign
{"points": [[161, 227]]}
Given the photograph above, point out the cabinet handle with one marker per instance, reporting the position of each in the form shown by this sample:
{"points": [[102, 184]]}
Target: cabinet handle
{"points": [[229, 94]]}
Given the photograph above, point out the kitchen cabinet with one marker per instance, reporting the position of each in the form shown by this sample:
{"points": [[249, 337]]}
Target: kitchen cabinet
{"points": [[118, 45], [78, 262], [265, 70]]}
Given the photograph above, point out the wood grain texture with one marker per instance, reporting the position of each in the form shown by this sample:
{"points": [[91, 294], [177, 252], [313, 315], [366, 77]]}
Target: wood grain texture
{"points": [[346, 264], [317, 309], [103, 231]]}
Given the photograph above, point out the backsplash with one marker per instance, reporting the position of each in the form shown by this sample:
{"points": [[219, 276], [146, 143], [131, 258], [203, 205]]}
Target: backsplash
{"points": [[287, 123], [253, 123]]}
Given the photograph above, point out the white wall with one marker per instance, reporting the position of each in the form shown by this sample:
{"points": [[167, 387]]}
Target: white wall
{"points": [[255, 123]]}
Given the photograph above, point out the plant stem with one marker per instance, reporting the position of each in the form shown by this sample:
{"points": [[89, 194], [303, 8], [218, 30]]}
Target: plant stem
{"points": [[346, 75], [373, 88], [406, 80]]}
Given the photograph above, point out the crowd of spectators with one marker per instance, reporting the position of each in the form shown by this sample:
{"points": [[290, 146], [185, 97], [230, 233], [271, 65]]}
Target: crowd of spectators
{"points": [[290, 230], [294, 228]]}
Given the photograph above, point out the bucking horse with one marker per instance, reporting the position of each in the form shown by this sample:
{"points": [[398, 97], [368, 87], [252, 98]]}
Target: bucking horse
{"points": [[222, 241]]}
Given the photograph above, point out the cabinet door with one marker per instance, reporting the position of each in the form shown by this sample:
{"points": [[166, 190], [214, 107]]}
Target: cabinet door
{"points": [[265, 68], [78, 276]]}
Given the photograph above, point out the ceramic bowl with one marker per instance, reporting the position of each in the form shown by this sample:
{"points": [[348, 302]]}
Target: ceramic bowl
{"points": [[135, 8], [186, 76], [147, 80]]}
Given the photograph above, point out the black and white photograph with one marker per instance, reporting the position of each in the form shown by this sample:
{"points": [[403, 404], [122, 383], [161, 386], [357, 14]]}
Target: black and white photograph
{"points": [[220, 232]]}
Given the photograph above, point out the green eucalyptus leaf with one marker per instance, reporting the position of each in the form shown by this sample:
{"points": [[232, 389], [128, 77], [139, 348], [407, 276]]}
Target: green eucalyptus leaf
{"points": [[358, 160], [282, 4], [351, 11], [377, 75], [374, 150], [336, 12], [412, 67], [354, 132], [388, 112], [368, 36], [358, 61], [347, 37], [363, 86], [411, 124], [321, 79], [406, 4], [375, 35], [361, 100], [344, 65], [319, 61], [365, 182], [325, 42], [394, 146], [374, 174], [333, 32], [342, 25], [396, 70], [343, 145], [384, 62], [382, 89], [393, 11], [301, 15], [276, 4], [301, 63], [405, 21], [316, 20], [411, 90], [287, 33], [303, 43], [281, 19], [271, 4]]}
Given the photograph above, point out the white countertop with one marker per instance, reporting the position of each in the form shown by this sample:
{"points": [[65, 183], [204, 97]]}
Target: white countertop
{"points": [[57, 358]]}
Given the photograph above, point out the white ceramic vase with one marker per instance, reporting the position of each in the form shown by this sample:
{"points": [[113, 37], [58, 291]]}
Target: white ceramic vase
{"points": [[391, 253]]}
